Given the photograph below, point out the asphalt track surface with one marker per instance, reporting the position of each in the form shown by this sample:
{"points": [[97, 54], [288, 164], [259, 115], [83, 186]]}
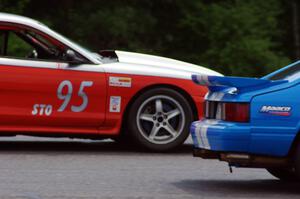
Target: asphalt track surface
{"points": [[33, 168]]}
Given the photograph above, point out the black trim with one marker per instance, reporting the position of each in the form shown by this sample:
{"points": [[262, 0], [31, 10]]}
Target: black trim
{"points": [[111, 54]]}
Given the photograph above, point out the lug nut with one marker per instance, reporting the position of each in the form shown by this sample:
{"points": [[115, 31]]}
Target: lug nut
{"points": [[157, 124], [154, 118], [165, 123]]}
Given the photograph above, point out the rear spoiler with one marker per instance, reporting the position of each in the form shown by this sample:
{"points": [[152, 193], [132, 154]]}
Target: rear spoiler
{"points": [[216, 83]]}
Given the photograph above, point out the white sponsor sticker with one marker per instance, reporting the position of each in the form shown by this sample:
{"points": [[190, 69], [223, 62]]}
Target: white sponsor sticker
{"points": [[120, 82], [115, 104]]}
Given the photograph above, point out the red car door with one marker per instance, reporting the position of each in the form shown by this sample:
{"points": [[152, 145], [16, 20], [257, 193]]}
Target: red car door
{"points": [[50, 96]]}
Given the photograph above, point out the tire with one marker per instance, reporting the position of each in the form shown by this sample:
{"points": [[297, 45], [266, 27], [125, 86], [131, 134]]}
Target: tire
{"points": [[285, 174], [292, 173], [159, 119], [297, 161]]}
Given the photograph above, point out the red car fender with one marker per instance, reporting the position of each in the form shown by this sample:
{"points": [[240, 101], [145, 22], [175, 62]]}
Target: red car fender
{"points": [[134, 86]]}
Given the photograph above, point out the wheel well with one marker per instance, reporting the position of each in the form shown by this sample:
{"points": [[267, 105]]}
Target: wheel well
{"points": [[294, 145], [180, 90]]}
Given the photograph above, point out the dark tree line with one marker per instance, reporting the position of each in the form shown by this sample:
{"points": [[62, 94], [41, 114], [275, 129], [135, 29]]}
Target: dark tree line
{"points": [[235, 37]]}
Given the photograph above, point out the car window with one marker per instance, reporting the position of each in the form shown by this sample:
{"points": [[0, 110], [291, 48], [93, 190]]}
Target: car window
{"points": [[43, 40], [17, 47], [291, 73], [2, 41], [26, 43]]}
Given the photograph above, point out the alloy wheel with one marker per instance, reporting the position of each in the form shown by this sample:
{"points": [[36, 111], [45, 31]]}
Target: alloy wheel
{"points": [[160, 119]]}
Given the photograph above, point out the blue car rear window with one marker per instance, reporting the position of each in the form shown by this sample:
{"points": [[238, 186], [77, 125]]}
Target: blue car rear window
{"points": [[291, 73]]}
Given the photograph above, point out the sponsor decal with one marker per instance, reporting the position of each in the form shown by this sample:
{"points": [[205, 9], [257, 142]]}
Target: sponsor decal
{"points": [[276, 110], [120, 82], [42, 109], [115, 104]]}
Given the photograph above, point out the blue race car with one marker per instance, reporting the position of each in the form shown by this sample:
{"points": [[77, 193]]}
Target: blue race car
{"points": [[250, 122]]}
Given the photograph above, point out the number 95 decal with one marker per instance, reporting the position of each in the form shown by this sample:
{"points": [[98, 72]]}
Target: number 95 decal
{"points": [[67, 97], [43, 109]]}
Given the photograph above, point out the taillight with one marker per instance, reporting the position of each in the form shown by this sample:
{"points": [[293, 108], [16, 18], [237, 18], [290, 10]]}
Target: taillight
{"points": [[235, 112], [206, 109]]}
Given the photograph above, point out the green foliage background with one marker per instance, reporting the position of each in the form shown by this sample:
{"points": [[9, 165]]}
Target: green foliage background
{"points": [[234, 37]]}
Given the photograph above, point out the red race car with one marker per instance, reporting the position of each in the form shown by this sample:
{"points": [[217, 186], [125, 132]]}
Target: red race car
{"points": [[50, 86]]}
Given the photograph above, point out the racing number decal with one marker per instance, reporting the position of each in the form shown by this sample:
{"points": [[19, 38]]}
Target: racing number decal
{"points": [[67, 97], [44, 109], [83, 95]]}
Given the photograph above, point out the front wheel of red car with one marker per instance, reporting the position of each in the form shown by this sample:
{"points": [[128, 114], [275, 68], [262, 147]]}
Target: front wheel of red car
{"points": [[159, 119]]}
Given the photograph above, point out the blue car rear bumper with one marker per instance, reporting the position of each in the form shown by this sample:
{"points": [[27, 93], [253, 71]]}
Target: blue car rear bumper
{"points": [[216, 135]]}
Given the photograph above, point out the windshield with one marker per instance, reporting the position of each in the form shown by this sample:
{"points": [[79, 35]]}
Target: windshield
{"points": [[291, 73], [95, 55], [73, 45], [73, 42]]}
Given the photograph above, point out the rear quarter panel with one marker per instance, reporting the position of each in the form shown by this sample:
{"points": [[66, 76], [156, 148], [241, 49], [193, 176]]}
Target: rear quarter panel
{"points": [[139, 84], [273, 134]]}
